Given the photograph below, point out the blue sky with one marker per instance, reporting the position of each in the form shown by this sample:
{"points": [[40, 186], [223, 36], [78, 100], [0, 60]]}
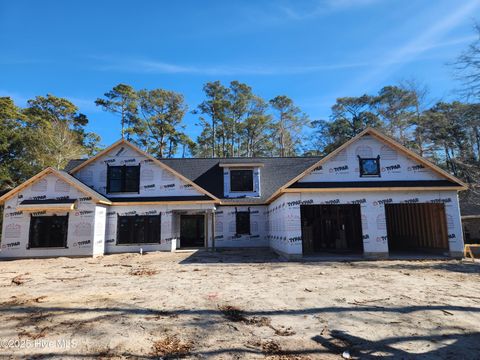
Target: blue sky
{"points": [[313, 51]]}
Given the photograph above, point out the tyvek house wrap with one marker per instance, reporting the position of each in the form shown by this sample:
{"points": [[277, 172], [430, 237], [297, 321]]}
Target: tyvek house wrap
{"points": [[284, 213], [83, 231], [154, 180], [225, 227], [233, 194], [169, 222], [285, 223], [394, 165]]}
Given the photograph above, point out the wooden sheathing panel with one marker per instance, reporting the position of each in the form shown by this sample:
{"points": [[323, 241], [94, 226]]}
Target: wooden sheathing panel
{"points": [[416, 226]]}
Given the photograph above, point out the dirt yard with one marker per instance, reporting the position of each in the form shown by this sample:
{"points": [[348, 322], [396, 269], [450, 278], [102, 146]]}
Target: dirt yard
{"points": [[238, 305]]}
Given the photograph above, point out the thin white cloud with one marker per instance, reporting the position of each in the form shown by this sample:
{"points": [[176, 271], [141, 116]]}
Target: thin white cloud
{"points": [[160, 67], [321, 7], [347, 4], [442, 44], [82, 103], [431, 37], [149, 66]]}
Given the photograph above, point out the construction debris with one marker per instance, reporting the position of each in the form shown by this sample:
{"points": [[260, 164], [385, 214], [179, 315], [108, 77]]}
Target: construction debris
{"points": [[143, 272], [171, 347], [20, 279]]}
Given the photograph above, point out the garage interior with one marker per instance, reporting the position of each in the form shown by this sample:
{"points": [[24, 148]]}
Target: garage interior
{"points": [[331, 229], [420, 227]]}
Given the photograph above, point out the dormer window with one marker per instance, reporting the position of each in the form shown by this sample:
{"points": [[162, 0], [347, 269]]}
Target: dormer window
{"points": [[122, 179], [241, 180], [369, 167]]}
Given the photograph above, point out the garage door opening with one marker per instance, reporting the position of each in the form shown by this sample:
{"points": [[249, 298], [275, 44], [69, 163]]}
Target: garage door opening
{"points": [[416, 228], [331, 228]]}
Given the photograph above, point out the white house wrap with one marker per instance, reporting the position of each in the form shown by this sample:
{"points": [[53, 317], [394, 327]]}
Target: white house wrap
{"points": [[370, 196]]}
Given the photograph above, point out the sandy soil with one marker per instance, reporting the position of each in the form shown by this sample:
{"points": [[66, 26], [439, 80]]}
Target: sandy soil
{"points": [[238, 305]]}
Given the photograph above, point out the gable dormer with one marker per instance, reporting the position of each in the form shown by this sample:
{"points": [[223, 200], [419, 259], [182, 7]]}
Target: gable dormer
{"points": [[371, 159], [125, 171], [241, 179]]}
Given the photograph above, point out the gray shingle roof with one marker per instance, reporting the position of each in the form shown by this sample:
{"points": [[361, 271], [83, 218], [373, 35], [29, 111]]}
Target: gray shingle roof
{"points": [[275, 173], [207, 173], [73, 164]]}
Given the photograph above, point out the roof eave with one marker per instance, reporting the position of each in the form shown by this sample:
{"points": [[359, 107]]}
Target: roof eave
{"points": [[373, 189], [462, 186], [154, 159], [57, 173]]}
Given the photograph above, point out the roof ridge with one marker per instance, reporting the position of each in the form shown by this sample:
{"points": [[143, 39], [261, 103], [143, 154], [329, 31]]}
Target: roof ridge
{"points": [[244, 158]]}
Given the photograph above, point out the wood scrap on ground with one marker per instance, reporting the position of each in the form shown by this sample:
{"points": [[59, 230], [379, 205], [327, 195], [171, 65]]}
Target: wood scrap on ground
{"points": [[20, 279]]}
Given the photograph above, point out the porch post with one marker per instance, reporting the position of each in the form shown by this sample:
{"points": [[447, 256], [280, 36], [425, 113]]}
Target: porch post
{"points": [[206, 230], [213, 229]]}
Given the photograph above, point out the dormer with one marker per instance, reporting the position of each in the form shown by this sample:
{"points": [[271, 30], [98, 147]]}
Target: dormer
{"points": [[241, 180], [124, 171]]}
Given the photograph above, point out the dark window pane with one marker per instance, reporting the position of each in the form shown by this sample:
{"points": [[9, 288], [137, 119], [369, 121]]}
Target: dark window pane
{"points": [[124, 231], [114, 179], [123, 179], [138, 229], [241, 180], [115, 186], [153, 229], [243, 223], [131, 185], [132, 178], [115, 172], [48, 231], [369, 167]]}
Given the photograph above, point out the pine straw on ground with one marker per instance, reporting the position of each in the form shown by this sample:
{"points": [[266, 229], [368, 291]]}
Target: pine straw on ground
{"points": [[236, 314], [171, 347], [143, 272], [273, 351]]}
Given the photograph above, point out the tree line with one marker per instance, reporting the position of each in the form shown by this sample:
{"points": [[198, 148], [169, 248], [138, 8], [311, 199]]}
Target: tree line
{"points": [[234, 121], [50, 131], [447, 133], [237, 122]]}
